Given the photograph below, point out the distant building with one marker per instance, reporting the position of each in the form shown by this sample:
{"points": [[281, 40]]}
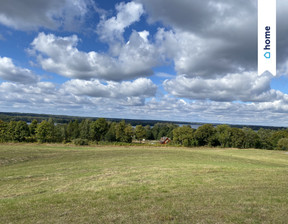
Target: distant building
{"points": [[165, 140]]}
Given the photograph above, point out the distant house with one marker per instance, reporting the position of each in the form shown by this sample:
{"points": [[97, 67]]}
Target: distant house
{"points": [[165, 140]]}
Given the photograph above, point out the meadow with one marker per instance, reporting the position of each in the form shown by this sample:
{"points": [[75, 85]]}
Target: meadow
{"points": [[138, 184]]}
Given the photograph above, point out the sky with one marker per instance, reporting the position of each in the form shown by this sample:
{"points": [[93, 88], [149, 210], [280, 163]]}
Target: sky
{"points": [[184, 60]]}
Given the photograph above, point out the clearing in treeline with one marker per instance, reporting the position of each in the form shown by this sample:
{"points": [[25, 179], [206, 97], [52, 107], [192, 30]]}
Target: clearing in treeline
{"points": [[61, 184]]}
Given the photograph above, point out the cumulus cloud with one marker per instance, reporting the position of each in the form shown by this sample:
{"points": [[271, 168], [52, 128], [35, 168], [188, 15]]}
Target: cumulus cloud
{"points": [[36, 95], [230, 23], [60, 55], [52, 14], [201, 16], [209, 56], [48, 97], [10, 72], [114, 27], [213, 45], [245, 87], [214, 38], [141, 87], [261, 113], [282, 33], [68, 98]]}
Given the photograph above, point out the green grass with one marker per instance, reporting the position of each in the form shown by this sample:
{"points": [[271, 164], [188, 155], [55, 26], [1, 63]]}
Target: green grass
{"points": [[60, 184]]}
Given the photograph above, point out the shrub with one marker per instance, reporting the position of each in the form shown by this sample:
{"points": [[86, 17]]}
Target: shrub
{"points": [[283, 144], [80, 141], [31, 139]]}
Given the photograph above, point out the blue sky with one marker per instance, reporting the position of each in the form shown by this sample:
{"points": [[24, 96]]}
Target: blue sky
{"points": [[143, 59]]}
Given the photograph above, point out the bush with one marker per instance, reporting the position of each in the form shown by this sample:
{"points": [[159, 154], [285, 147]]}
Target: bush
{"points": [[283, 144], [31, 139], [80, 141]]}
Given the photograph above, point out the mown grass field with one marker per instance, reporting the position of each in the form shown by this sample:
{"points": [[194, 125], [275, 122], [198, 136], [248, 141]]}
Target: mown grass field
{"points": [[61, 184]]}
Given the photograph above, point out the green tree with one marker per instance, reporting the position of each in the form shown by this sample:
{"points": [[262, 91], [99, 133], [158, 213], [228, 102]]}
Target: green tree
{"points": [[85, 129], [110, 136], [205, 135], [120, 131], [59, 133], [124, 132], [160, 130], [33, 127], [155, 131], [251, 138], [45, 132], [265, 136], [99, 129], [184, 135], [223, 135], [237, 138], [72, 131], [282, 144], [277, 135], [11, 135], [21, 131], [3, 131], [148, 134], [140, 132], [128, 133]]}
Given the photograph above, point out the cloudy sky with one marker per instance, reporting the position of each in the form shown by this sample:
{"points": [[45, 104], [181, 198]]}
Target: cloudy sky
{"points": [[184, 60]]}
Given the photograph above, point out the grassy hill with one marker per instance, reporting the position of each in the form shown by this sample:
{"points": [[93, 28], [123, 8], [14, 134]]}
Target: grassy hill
{"points": [[62, 184]]}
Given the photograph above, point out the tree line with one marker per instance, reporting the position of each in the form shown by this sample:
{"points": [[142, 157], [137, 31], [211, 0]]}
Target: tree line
{"points": [[85, 131], [230, 137], [101, 130]]}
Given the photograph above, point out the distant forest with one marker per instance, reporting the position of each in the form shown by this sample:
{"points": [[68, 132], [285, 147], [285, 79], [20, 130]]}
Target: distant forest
{"points": [[101, 130], [63, 119]]}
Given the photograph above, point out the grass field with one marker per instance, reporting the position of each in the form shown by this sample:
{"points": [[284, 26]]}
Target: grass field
{"points": [[61, 184]]}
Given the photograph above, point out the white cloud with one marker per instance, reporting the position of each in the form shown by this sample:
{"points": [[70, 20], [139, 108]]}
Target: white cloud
{"points": [[245, 87], [261, 113], [141, 87], [214, 38], [30, 95], [195, 55], [10, 72], [201, 16], [52, 14], [212, 42], [54, 99], [68, 98], [60, 55], [144, 35], [114, 27], [164, 75]]}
